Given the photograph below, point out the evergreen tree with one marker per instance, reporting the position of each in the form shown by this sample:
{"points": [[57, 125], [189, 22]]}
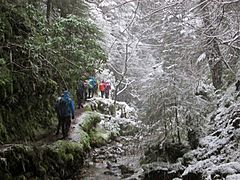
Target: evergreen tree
{"points": [[38, 60]]}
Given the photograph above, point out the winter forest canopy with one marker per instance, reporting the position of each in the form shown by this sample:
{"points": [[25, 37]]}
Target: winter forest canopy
{"points": [[176, 62], [179, 54]]}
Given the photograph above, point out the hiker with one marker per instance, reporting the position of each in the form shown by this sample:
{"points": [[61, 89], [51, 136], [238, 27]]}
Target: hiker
{"points": [[85, 90], [107, 89], [102, 88], [80, 94], [91, 86], [95, 89], [65, 112]]}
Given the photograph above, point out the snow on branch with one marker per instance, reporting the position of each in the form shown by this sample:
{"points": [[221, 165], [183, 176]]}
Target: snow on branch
{"points": [[114, 69], [230, 41], [122, 4], [228, 2], [125, 87], [129, 24], [200, 5], [160, 9]]}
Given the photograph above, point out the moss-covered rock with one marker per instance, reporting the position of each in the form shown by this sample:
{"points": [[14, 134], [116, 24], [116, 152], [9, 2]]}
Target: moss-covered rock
{"points": [[99, 137], [106, 107], [87, 108], [90, 120], [85, 140], [60, 160]]}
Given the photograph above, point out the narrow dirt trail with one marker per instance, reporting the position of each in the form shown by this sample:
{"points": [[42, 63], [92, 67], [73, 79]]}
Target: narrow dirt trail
{"points": [[52, 137], [74, 134]]}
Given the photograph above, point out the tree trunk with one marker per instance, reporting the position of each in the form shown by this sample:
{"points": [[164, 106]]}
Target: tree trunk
{"points": [[122, 76], [165, 121], [212, 52], [171, 130], [49, 7], [215, 63], [177, 122], [63, 9]]}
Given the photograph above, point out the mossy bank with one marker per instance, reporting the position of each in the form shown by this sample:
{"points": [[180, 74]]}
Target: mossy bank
{"points": [[60, 160]]}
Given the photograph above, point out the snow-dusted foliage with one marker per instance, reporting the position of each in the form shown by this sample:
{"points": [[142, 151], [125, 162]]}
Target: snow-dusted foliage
{"points": [[179, 60], [218, 153], [176, 93], [115, 18], [174, 55], [116, 118]]}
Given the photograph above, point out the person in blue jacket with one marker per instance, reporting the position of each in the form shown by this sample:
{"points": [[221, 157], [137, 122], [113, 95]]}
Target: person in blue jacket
{"points": [[65, 111], [92, 86]]}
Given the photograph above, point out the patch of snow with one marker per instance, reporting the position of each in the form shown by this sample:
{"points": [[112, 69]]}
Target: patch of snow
{"points": [[201, 58], [107, 3], [227, 169], [199, 167], [233, 177]]}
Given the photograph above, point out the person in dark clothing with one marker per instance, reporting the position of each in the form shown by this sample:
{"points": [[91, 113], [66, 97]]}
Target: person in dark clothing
{"points": [[91, 86], [65, 112], [85, 90], [80, 94]]}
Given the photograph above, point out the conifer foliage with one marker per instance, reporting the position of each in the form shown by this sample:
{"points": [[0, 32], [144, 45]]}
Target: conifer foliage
{"points": [[39, 56]]}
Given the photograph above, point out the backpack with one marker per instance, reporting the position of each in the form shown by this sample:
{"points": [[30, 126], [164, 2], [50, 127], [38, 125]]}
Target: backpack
{"points": [[90, 83], [63, 108]]}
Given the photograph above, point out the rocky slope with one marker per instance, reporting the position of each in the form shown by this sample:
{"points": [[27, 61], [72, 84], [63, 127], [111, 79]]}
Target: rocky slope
{"points": [[216, 157], [218, 154]]}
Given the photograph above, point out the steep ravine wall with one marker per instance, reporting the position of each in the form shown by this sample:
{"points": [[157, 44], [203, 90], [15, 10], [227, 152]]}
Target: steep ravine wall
{"points": [[218, 153]]}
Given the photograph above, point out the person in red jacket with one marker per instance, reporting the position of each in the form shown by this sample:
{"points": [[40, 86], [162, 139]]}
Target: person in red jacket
{"points": [[102, 88]]}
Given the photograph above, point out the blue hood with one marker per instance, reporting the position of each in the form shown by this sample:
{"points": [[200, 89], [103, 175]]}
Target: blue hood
{"points": [[66, 95]]}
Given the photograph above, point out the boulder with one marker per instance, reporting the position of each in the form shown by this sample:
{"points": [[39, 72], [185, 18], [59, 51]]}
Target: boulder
{"points": [[165, 152], [163, 171]]}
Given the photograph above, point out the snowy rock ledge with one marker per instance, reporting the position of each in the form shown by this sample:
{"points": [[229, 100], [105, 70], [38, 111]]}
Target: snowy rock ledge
{"points": [[119, 118], [218, 154]]}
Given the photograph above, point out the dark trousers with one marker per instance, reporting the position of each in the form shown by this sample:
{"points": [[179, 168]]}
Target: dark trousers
{"points": [[85, 95], [90, 92], [102, 94], [65, 123], [59, 125], [80, 101], [107, 95]]}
